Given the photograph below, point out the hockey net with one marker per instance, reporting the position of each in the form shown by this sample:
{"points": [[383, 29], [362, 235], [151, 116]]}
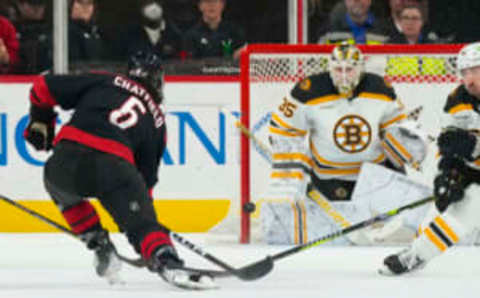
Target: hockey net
{"points": [[422, 75]]}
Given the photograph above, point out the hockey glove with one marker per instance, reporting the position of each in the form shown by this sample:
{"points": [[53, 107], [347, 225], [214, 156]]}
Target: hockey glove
{"points": [[40, 130], [165, 257], [457, 142], [449, 185]]}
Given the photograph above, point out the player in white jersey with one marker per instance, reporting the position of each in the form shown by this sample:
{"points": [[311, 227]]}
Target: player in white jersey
{"points": [[321, 134], [457, 185]]}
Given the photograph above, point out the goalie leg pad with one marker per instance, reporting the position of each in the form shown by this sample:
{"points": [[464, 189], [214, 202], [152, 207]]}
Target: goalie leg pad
{"points": [[283, 222], [297, 222]]}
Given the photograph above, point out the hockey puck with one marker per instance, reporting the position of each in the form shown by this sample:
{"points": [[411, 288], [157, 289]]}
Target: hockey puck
{"points": [[249, 207]]}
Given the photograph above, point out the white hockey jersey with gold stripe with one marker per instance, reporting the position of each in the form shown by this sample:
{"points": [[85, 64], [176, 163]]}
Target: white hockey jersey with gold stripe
{"points": [[317, 130]]}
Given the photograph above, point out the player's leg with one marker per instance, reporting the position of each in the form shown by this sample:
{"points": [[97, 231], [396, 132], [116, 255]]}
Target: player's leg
{"points": [[443, 232], [122, 191], [67, 172]]}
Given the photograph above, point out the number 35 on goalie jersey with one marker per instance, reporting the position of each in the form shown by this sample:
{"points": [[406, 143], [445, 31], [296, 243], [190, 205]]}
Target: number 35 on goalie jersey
{"points": [[315, 129]]}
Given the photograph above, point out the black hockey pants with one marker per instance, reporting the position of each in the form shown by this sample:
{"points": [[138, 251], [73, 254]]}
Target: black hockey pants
{"points": [[75, 172]]}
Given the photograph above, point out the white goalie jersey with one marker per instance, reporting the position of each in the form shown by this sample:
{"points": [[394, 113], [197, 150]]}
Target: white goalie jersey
{"points": [[322, 137], [316, 130]]}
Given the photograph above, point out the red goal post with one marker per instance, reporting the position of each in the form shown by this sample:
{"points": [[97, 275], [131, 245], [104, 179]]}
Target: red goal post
{"points": [[270, 70]]}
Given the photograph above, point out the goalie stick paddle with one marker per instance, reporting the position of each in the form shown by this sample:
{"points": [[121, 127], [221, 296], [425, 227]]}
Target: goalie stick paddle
{"points": [[352, 228], [139, 263]]}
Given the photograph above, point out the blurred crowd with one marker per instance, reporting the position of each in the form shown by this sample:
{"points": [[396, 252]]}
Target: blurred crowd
{"points": [[110, 30]]}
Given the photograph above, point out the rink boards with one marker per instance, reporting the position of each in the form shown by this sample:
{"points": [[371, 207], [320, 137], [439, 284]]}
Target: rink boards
{"points": [[199, 177]]}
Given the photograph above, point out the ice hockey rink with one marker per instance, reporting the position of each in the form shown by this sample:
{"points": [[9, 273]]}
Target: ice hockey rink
{"points": [[57, 266]]}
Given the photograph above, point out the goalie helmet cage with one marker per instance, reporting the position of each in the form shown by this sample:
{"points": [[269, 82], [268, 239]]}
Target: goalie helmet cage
{"points": [[268, 71]]}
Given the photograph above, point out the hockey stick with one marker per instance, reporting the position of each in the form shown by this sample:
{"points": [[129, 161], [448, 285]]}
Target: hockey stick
{"points": [[139, 263], [250, 272], [329, 237], [133, 262]]}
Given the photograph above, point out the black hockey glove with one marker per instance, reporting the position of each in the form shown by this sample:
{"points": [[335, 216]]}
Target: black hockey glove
{"points": [[165, 257], [40, 130], [449, 185], [457, 142]]}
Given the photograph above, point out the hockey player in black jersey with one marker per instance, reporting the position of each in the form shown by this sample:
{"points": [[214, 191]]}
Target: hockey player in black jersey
{"points": [[110, 149], [457, 184]]}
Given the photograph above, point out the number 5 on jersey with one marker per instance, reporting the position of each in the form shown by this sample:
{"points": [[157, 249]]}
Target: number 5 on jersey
{"points": [[127, 115], [287, 108]]}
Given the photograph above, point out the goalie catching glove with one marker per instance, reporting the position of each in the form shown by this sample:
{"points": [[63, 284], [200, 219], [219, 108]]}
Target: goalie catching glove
{"points": [[40, 130]]}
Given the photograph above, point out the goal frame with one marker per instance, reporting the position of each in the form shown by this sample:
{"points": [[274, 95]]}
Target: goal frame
{"points": [[245, 187]]}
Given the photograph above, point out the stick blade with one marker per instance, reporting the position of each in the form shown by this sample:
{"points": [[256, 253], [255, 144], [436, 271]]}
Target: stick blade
{"points": [[256, 270]]}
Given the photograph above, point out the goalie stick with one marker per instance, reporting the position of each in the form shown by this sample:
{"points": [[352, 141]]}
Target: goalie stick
{"points": [[251, 272]]}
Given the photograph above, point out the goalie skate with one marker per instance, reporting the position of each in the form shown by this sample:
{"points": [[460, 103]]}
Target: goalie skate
{"points": [[188, 281]]}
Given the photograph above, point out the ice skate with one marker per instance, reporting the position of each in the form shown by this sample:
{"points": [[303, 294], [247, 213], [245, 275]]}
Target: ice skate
{"points": [[106, 262], [404, 262], [166, 263]]}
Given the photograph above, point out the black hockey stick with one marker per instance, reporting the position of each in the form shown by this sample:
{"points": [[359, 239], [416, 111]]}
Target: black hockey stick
{"points": [[133, 262], [352, 228], [250, 272], [139, 263]]}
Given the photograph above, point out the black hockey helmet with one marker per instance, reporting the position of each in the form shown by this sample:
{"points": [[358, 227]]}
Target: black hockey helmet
{"points": [[147, 68]]}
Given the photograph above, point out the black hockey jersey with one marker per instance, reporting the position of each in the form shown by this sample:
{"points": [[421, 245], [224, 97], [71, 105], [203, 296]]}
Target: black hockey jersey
{"points": [[112, 114], [461, 100], [463, 111]]}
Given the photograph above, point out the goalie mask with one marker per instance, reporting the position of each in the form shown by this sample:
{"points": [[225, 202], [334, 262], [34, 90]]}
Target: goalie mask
{"points": [[147, 69], [346, 66]]}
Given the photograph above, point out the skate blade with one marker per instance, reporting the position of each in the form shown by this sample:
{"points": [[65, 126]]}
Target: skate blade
{"points": [[114, 279], [189, 281], [385, 271]]}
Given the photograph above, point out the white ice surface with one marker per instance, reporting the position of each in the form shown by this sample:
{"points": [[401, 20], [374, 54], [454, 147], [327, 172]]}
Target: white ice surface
{"points": [[57, 266]]}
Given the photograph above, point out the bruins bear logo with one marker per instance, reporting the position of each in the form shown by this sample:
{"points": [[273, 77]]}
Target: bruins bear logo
{"points": [[305, 85], [352, 134]]}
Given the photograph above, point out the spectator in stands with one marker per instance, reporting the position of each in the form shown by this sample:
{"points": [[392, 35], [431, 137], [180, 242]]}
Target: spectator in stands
{"points": [[34, 34], [358, 25], [317, 19], [8, 46], [154, 33], [181, 13], [85, 40], [213, 36], [411, 21], [8, 9], [411, 24], [395, 7]]}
